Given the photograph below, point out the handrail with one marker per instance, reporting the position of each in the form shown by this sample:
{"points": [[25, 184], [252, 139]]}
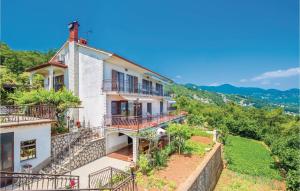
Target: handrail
{"points": [[139, 122], [34, 181], [18, 113], [127, 87]]}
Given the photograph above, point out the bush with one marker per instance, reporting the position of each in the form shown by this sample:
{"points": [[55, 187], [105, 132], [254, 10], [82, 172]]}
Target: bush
{"points": [[293, 180], [144, 164], [192, 147], [199, 132], [179, 133]]}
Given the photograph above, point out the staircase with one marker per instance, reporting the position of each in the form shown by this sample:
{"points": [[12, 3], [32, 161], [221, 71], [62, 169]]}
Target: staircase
{"points": [[61, 161]]}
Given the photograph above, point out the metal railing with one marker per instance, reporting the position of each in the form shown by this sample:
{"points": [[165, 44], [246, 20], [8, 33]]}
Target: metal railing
{"points": [[139, 122], [126, 87], [31, 181], [112, 179], [18, 113]]}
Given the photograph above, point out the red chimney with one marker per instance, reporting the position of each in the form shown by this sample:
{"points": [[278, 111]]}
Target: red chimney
{"points": [[73, 28]]}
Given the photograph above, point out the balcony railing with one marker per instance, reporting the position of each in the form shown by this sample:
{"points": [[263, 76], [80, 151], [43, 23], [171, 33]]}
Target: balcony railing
{"points": [[127, 88], [19, 113], [29, 181], [139, 122]]}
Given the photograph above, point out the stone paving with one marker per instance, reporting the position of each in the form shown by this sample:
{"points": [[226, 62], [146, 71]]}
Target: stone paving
{"points": [[84, 171]]}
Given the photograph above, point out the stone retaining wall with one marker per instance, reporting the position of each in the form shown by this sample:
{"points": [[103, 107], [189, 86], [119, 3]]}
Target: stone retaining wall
{"points": [[94, 150], [206, 175], [60, 142]]}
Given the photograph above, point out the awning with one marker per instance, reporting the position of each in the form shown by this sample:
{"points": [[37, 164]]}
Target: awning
{"points": [[160, 132], [135, 98]]}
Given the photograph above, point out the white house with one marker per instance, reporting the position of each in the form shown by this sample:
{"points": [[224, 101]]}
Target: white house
{"points": [[115, 92], [25, 134]]}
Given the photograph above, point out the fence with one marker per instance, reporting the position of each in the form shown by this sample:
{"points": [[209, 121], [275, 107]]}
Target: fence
{"points": [[139, 122], [133, 88], [29, 181], [18, 113]]}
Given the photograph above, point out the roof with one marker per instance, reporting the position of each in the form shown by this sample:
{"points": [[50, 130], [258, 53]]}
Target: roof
{"points": [[125, 59], [57, 64], [110, 54]]}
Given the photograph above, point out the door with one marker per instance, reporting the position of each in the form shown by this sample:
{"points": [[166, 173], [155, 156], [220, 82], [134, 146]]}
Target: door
{"points": [[161, 107], [137, 109], [6, 155], [149, 108]]}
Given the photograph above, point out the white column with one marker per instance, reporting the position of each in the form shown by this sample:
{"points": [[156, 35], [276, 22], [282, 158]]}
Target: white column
{"points": [[30, 78], [215, 135], [135, 149], [50, 74]]}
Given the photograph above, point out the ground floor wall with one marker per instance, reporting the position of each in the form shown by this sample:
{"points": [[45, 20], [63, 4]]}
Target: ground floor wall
{"points": [[115, 141], [39, 132]]}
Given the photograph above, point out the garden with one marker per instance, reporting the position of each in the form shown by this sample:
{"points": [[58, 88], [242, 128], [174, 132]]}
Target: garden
{"points": [[166, 168]]}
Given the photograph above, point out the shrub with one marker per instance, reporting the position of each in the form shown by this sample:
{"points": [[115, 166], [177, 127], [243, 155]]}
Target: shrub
{"points": [[179, 133], [192, 147], [293, 180], [144, 164]]}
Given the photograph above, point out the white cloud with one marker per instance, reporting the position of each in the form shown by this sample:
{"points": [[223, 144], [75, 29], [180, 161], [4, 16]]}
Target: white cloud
{"points": [[277, 84], [178, 76], [278, 74], [214, 84], [243, 80]]}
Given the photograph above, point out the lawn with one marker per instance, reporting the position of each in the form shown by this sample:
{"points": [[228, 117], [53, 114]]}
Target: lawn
{"points": [[233, 181], [250, 157]]}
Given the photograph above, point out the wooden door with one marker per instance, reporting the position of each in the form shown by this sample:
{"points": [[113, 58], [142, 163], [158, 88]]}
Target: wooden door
{"points": [[6, 156]]}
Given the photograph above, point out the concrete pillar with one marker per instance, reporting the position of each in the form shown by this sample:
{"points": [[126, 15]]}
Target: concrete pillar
{"points": [[215, 135], [135, 149], [31, 78], [51, 76]]}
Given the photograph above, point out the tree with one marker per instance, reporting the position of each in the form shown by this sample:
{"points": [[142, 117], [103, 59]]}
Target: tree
{"points": [[179, 133], [61, 100]]}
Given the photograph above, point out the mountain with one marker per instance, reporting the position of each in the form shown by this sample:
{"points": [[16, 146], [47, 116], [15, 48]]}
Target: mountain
{"points": [[288, 99]]}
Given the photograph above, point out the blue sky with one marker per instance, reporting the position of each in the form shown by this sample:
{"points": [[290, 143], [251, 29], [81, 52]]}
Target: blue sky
{"points": [[241, 42]]}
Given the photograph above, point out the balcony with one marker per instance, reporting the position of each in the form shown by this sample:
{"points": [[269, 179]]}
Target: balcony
{"points": [[21, 114], [135, 89], [136, 123]]}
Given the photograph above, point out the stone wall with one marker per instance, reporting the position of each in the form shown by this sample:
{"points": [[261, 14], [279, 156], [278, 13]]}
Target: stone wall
{"points": [[206, 175], [60, 142], [94, 150]]}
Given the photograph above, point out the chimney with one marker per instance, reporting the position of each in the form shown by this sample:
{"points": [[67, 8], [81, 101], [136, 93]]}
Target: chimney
{"points": [[73, 28]]}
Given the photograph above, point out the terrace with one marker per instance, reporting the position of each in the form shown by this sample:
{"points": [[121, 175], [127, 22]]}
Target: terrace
{"points": [[11, 115], [136, 123]]}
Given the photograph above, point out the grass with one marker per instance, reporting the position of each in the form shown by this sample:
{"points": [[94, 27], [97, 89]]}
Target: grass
{"points": [[250, 157], [196, 148], [199, 132], [233, 181]]}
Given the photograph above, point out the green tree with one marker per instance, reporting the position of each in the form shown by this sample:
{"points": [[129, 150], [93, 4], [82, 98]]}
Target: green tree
{"points": [[180, 134], [61, 100]]}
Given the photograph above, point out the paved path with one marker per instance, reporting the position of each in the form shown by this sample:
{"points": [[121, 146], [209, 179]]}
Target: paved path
{"points": [[96, 165]]}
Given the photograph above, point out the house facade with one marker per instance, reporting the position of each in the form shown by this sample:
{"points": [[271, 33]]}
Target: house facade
{"points": [[115, 92]]}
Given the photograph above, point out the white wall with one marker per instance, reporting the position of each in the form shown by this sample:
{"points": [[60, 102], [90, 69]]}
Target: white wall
{"points": [[90, 87], [115, 142], [40, 132]]}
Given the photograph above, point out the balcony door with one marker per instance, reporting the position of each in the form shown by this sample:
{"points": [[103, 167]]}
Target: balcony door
{"points": [[119, 108], [6, 155], [117, 81], [147, 86], [132, 84]]}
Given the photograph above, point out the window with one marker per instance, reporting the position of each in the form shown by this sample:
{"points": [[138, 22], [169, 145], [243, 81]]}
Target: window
{"points": [[147, 86], [159, 89], [132, 84], [28, 150], [117, 81]]}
